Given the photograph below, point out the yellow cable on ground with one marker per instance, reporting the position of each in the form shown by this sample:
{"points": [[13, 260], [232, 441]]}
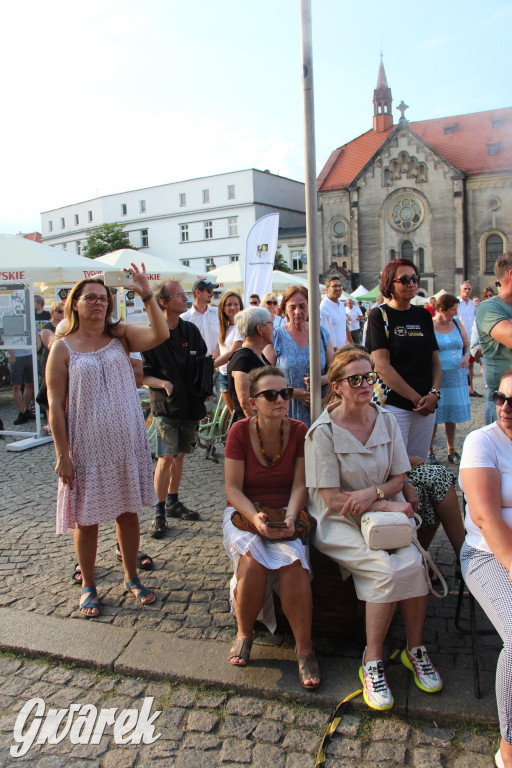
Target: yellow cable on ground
{"points": [[335, 718]]}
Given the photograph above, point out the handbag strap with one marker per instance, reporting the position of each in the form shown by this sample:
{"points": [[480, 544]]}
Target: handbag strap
{"points": [[427, 560]]}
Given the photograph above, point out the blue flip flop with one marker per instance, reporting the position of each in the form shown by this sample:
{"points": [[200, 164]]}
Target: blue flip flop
{"points": [[90, 602], [135, 584]]}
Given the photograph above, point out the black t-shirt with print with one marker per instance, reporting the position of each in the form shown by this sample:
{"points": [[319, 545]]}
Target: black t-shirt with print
{"points": [[411, 343]]}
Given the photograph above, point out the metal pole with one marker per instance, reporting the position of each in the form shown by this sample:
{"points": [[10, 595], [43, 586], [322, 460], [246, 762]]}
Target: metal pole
{"points": [[311, 208]]}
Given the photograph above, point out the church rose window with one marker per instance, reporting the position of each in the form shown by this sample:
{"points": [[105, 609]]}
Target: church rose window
{"points": [[339, 228], [405, 214]]}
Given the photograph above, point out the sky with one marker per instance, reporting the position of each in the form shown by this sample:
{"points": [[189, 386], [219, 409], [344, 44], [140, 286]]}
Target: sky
{"points": [[105, 96]]}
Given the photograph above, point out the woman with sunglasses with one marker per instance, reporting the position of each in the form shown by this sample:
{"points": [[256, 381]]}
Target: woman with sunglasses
{"points": [[103, 456], [230, 304], [264, 462], [402, 342], [486, 555], [356, 461], [270, 302]]}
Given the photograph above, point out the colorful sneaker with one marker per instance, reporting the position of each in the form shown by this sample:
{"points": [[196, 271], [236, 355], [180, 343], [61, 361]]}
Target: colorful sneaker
{"points": [[426, 676], [376, 691], [180, 510]]}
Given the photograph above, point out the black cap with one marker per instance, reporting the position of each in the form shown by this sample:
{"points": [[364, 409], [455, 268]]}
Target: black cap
{"points": [[204, 285]]}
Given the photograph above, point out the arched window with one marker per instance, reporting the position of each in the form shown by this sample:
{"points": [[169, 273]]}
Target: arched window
{"points": [[406, 251], [422, 172], [344, 265], [392, 254], [493, 249], [334, 251], [421, 260]]}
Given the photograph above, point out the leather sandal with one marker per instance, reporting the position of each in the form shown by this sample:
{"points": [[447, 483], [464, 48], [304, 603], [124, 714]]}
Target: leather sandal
{"points": [[144, 566], [76, 576], [143, 591], [89, 602], [241, 650], [308, 669]]}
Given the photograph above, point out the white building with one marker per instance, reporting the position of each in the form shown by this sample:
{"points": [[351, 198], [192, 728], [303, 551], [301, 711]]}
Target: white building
{"points": [[201, 222]]}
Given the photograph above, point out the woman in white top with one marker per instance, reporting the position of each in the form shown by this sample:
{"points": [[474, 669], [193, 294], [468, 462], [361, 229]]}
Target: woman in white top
{"points": [[486, 555], [230, 305]]}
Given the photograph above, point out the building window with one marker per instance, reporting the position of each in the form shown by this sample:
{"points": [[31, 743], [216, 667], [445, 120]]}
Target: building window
{"points": [[406, 250], [76, 219], [231, 191], [184, 233], [50, 226], [124, 209], [339, 228], [89, 216], [186, 263], [233, 258], [392, 254], [405, 214], [421, 260], [144, 238], [183, 199], [78, 248], [233, 226], [208, 230], [142, 206], [63, 223], [493, 249], [493, 148], [297, 265], [206, 195], [422, 173], [64, 246], [209, 264]]}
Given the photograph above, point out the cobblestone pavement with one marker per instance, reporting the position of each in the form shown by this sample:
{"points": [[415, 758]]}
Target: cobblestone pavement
{"points": [[199, 727]]}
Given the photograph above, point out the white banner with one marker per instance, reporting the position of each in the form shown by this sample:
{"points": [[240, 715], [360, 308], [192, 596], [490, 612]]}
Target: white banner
{"points": [[260, 252]]}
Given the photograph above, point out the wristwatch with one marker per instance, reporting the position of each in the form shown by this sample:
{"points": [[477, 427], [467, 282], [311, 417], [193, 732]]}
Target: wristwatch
{"points": [[380, 493]]}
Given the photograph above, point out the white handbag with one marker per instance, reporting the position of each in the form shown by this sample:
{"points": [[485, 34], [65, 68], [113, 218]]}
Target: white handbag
{"points": [[394, 530]]}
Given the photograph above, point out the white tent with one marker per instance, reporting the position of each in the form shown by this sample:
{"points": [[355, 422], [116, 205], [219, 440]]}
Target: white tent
{"points": [[230, 278], [22, 259], [157, 269], [359, 291]]}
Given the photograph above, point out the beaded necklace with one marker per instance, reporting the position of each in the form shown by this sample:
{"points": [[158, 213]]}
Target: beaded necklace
{"points": [[276, 458]]}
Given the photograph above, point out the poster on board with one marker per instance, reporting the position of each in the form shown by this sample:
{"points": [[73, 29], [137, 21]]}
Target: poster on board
{"points": [[16, 327]]}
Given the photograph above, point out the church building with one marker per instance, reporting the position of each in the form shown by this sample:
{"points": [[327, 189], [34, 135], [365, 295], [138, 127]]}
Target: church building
{"points": [[438, 192]]}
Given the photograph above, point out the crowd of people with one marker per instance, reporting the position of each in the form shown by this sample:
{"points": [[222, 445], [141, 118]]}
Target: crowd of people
{"points": [[365, 453]]}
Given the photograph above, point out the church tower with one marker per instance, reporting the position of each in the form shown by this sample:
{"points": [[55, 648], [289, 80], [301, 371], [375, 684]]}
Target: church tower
{"points": [[382, 117]]}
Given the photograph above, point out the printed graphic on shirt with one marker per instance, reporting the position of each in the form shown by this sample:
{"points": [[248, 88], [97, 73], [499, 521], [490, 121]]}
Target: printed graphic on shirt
{"points": [[408, 330]]}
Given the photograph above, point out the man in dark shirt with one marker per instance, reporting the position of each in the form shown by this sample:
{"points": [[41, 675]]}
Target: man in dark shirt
{"points": [[41, 314], [169, 372]]}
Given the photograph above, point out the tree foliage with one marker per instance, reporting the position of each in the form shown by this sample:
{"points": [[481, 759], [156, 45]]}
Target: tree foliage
{"points": [[104, 239], [280, 263]]}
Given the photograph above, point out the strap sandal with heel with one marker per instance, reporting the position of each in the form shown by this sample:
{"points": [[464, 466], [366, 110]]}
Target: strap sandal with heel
{"points": [[144, 562], [241, 651], [90, 602], [308, 670], [143, 592]]}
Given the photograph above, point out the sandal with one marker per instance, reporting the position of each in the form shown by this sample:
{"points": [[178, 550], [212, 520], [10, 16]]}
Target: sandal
{"points": [[143, 591], [308, 669], [241, 650], [144, 566], [76, 576], [90, 602]]}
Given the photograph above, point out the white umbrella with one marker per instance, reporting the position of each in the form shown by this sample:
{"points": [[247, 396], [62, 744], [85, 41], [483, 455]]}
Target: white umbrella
{"points": [[230, 278], [22, 259], [157, 269]]}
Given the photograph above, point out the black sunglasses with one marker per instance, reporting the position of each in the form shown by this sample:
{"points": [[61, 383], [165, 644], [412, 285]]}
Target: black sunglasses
{"points": [[407, 279], [271, 302], [272, 394], [356, 380], [500, 399]]}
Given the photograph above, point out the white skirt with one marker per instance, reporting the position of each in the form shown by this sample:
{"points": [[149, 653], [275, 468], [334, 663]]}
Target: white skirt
{"points": [[271, 554]]}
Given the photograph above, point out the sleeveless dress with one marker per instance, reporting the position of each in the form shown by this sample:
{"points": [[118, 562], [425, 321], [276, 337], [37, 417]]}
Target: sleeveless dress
{"points": [[454, 403], [108, 443], [294, 363]]}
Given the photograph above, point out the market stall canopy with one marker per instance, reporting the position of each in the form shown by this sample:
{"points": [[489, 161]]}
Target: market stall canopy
{"points": [[359, 291], [371, 295], [22, 259], [157, 269]]}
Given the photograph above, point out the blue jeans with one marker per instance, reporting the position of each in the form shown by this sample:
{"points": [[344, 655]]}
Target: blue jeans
{"points": [[489, 408]]}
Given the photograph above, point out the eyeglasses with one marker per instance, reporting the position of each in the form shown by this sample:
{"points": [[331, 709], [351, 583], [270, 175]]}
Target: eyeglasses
{"points": [[272, 394], [93, 298], [174, 296], [500, 399], [356, 380], [407, 279], [274, 303]]}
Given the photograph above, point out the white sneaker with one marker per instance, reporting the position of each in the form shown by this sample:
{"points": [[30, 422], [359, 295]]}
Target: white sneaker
{"points": [[426, 676], [376, 691]]}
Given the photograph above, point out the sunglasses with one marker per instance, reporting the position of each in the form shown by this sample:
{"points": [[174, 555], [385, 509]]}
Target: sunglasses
{"points": [[407, 279], [274, 303], [356, 380], [254, 303], [500, 399], [272, 394]]}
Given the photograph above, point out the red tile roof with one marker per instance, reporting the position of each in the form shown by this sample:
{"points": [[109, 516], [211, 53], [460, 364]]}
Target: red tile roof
{"points": [[465, 146], [36, 236]]}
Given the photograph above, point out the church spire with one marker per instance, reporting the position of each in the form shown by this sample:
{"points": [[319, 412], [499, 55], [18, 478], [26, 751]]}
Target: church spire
{"points": [[382, 116]]}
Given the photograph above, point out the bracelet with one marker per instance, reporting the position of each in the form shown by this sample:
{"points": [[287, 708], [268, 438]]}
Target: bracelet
{"points": [[147, 297], [292, 517], [436, 392]]}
